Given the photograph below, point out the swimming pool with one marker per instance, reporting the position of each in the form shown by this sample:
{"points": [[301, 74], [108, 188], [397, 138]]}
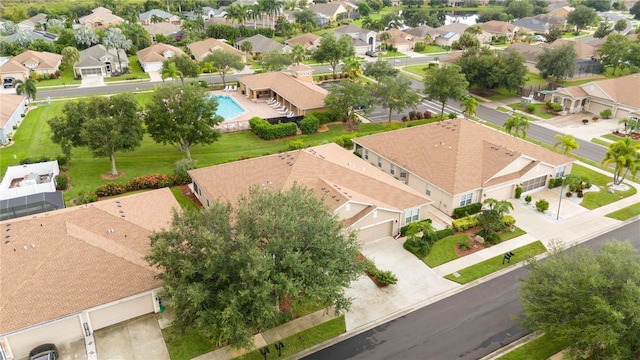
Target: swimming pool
{"points": [[227, 107]]}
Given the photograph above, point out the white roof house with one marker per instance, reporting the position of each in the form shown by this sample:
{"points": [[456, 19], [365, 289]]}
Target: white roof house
{"points": [[29, 179]]}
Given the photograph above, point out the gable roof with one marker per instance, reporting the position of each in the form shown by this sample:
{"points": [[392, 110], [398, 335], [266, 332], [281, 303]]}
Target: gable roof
{"points": [[32, 34], [530, 52], [91, 57], [33, 21], [618, 89], [261, 43], [302, 94], [422, 31], [157, 12], [73, 252], [457, 28], [201, 48], [329, 170], [457, 155], [101, 13], [498, 27], [351, 29], [10, 102], [156, 52], [164, 28], [400, 37], [306, 40], [42, 59], [328, 9], [584, 50]]}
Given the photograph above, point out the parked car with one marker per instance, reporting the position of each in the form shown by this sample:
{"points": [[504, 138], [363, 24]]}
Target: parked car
{"points": [[541, 38], [44, 352], [371, 53], [7, 83]]}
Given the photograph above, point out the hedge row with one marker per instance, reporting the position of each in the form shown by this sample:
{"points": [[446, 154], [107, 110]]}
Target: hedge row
{"points": [[266, 131], [555, 182], [467, 210], [309, 124], [153, 181]]}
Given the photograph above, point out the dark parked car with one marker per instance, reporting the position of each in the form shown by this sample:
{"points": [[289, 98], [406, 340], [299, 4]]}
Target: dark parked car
{"points": [[371, 53], [7, 83], [44, 352]]}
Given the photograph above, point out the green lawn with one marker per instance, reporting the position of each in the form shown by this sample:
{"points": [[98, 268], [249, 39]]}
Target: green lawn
{"points": [[186, 345], [392, 55], [66, 78], [534, 79], [303, 340], [569, 35], [625, 213], [417, 69], [600, 142], [539, 110], [616, 138], [494, 264], [185, 202], [444, 250], [432, 49], [593, 200], [508, 235], [540, 348]]}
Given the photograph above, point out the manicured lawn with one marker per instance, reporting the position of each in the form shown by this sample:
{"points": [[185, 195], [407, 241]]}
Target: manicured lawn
{"points": [[432, 49], [568, 83], [540, 348], [185, 202], [625, 213], [539, 110], [186, 345], [569, 35], [593, 200], [616, 138], [303, 340], [494, 264], [392, 54], [417, 69], [508, 235], [444, 250], [533, 79], [600, 142], [66, 78]]}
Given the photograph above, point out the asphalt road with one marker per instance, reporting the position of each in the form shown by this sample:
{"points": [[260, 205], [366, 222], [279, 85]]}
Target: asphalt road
{"points": [[467, 325]]}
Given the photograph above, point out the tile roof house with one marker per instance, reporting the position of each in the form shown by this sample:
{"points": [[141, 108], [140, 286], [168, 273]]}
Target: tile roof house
{"points": [[22, 65], [619, 95], [13, 106], [100, 18], [308, 41], [364, 198], [206, 13], [157, 15], [497, 28], [330, 10], [99, 61], [262, 44], [529, 52], [294, 89], [164, 28], [32, 35], [33, 22], [200, 49], [151, 58], [461, 162], [448, 34], [583, 49], [402, 40], [422, 32], [91, 257], [363, 40]]}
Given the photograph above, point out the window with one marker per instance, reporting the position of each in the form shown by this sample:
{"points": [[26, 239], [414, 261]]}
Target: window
{"points": [[428, 192], [379, 162], [560, 171], [534, 183], [392, 169], [403, 173], [196, 189], [366, 154], [411, 215], [466, 199]]}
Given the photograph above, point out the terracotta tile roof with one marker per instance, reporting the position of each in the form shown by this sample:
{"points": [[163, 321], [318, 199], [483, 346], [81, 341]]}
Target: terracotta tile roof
{"points": [[200, 49], [330, 171], [302, 94], [101, 13], [305, 40], [457, 155], [43, 59], [399, 37], [156, 52], [623, 90], [163, 28], [9, 104], [62, 262]]}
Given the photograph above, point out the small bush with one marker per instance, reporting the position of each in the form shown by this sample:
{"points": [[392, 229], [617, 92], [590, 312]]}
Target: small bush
{"points": [[491, 236], [542, 205], [386, 277], [62, 160], [508, 220], [85, 198], [464, 223], [552, 183], [403, 229], [530, 108], [266, 131], [419, 46], [296, 144], [181, 168], [556, 108], [467, 210], [27, 161], [528, 199], [441, 234], [453, 116], [62, 181], [464, 244], [605, 114], [518, 192], [368, 266], [309, 124]]}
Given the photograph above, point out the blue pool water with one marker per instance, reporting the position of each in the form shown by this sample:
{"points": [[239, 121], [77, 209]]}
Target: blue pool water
{"points": [[227, 107]]}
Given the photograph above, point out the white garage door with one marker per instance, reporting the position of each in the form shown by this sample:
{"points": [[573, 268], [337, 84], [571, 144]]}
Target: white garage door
{"points": [[56, 332], [596, 108], [91, 72], [121, 312], [375, 232]]}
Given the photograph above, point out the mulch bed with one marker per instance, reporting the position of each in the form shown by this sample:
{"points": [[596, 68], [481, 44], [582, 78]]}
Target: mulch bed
{"points": [[187, 192], [633, 135], [475, 246], [110, 176]]}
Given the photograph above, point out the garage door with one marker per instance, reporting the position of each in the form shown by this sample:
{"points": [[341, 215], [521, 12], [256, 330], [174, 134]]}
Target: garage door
{"points": [[55, 332], [375, 232], [121, 312], [596, 108], [91, 72]]}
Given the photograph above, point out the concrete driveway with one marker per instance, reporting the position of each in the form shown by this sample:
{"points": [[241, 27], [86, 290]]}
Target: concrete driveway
{"points": [[135, 339], [416, 283], [92, 81]]}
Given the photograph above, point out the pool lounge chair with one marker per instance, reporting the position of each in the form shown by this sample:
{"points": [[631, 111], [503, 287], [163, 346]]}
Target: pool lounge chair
{"points": [[276, 105], [226, 88], [234, 88], [290, 114], [270, 100]]}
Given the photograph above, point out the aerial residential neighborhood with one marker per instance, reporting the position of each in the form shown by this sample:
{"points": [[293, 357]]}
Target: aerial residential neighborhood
{"points": [[319, 179]]}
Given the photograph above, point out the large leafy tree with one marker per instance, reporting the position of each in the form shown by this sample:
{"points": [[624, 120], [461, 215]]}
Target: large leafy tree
{"points": [[614, 51], [274, 60], [184, 64], [559, 62], [394, 93], [444, 83], [333, 50], [346, 98], [588, 297], [567, 143], [380, 69], [70, 56], [635, 10], [224, 61], [517, 125], [625, 156], [224, 269], [490, 69], [582, 17], [27, 87], [114, 39], [182, 116]]}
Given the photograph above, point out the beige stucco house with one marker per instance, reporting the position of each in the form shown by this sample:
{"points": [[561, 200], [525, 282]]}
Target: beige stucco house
{"points": [[100, 18], [151, 58], [11, 109], [459, 162], [200, 49], [67, 273], [364, 198], [20, 67]]}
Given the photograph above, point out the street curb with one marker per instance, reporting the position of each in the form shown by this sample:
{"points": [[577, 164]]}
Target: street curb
{"points": [[399, 313], [512, 346]]}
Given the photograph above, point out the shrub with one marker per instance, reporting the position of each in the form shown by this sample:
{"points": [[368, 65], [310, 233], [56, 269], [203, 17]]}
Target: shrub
{"points": [[296, 144], [386, 277], [181, 168], [569, 194], [62, 181], [412, 115], [605, 114], [530, 108], [62, 160], [464, 223], [368, 266], [266, 131], [464, 244], [419, 115], [324, 118], [109, 189], [427, 114], [27, 161], [85, 198], [518, 192], [441, 234], [552, 183], [542, 205], [453, 116], [508, 220], [555, 107], [403, 229], [419, 46], [528, 199], [467, 210], [491, 236], [309, 124], [404, 118]]}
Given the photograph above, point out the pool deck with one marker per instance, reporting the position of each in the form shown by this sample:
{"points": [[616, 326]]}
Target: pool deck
{"points": [[241, 122]]}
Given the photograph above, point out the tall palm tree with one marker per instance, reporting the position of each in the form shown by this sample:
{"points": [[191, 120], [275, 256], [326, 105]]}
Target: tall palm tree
{"points": [[625, 155], [630, 125], [233, 13], [298, 53], [171, 71], [517, 124], [567, 142], [384, 37], [27, 88], [352, 67], [254, 13], [502, 207], [469, 105], [208, 67]]}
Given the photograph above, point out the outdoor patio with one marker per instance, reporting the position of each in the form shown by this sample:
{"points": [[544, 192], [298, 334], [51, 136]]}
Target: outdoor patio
{"points": [[241, 122]]}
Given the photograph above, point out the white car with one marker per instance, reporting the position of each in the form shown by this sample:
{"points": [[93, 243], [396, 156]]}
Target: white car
{"points": [[540, 38]]}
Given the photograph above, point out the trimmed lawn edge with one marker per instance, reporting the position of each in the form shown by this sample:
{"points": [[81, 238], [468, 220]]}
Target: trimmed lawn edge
{"points": [[626, 212], [540, 348], [494, 264]]}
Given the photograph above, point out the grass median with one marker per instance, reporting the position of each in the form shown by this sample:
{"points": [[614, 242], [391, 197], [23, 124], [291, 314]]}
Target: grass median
{"points": [[625, 213], [540, 348]]}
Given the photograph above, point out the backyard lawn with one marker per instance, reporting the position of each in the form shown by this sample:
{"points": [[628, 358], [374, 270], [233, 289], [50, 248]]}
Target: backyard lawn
{"points": [[593, 200]]}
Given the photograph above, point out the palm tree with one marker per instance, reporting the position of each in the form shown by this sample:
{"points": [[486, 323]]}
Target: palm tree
{"points": [[502, 207], [626, 157], [567, 142], [114, 38], [384, 37], [253, 13], [352, 67], [630, 125], [208, 67], [298, 53], [470, 105], [517, 124], [234, 12], [27, 88], [171, 71], [246, 47]]}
